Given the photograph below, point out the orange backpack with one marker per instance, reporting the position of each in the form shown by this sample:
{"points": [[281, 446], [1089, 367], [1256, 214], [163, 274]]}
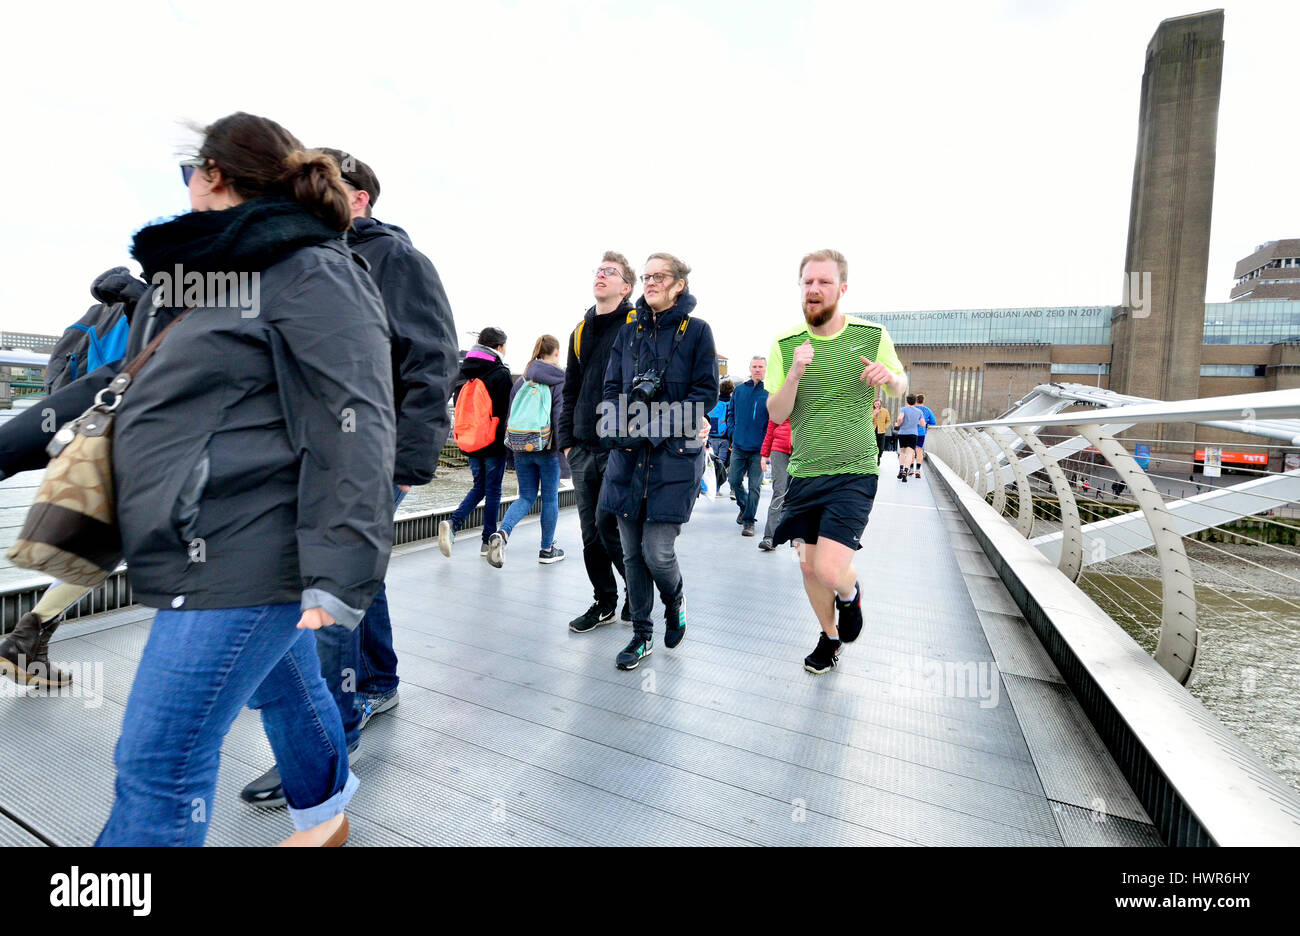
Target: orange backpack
{"points": [[476, 427]]}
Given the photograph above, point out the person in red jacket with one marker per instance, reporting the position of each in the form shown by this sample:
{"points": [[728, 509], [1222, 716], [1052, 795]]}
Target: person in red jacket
{"points": [[776, 458]]}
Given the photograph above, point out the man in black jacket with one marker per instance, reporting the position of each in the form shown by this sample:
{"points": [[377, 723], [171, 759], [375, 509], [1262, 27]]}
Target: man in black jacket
{"points": [[359, 665], [584, 382], [660, 384]]}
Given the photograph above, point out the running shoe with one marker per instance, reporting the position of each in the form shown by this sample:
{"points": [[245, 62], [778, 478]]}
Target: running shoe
{"points": [[445, 537], [850, 619], [824, 656], [483, 550], [748, 530], [632, 655], [547, 556], [375, 705], [592, 618], [765, 544], [675, 618]]}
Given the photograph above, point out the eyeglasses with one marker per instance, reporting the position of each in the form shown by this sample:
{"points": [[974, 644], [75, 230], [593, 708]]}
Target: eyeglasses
{"points": [[657, 278], [189, 165], [609, 272]]}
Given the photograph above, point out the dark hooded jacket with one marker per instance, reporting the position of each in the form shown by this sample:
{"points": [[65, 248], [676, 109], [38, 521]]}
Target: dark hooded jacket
{"points": [[486, 365], [24, 437], [584, 375], [548, 374], [424, 344], [661, 463], [253, 454]]}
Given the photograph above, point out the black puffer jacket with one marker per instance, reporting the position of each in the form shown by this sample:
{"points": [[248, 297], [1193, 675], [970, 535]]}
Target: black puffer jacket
{"points": [[424, 344], [484, 364], [664, 466], [253, 455], [584, 375]]}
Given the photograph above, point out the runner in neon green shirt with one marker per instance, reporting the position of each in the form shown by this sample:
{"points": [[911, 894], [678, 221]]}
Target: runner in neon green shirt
{"points": [[823, 377]]}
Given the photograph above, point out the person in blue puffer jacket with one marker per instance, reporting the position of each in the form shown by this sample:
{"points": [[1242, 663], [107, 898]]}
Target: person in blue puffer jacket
{"points": [[747, 420]]}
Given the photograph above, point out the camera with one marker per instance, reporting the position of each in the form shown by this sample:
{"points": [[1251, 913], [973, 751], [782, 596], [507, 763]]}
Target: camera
{"points": [[646, 386]]}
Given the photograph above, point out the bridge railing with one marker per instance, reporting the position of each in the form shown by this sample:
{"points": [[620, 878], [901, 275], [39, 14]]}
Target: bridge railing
{"points": [[1051, 494]]}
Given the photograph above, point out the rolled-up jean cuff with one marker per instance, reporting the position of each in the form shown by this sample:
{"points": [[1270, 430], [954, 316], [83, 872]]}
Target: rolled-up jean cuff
{"points": [[314, 815]]}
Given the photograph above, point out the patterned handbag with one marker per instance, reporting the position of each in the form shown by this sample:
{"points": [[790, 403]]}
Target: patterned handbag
{"points": [[71, 529]]}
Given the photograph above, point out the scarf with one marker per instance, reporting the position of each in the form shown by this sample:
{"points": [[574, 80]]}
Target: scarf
{"points": [[246, 238]]}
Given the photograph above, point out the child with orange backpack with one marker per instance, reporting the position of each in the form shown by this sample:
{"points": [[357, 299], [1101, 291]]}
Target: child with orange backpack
{"points": [[482, 395]]}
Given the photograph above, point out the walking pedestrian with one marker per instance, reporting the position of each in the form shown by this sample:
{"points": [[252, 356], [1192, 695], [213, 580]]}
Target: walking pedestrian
{"points": [[720, 435], [661, 383], [360, 666], [584, 384], [880, 420], [482, 405], [776, 458], [824, 376], [747, 416], [272, 522], [540, 468]]}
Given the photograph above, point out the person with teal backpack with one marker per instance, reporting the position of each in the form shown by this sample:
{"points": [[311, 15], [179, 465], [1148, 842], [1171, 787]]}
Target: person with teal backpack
{"points": [[535, 404]]}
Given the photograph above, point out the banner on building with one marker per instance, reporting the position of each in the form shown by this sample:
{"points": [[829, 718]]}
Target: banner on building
{"points": [[1213, 460]]}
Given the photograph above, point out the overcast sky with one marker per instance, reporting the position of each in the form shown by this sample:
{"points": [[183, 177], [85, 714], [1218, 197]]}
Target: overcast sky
{"points": [[962, 155]]}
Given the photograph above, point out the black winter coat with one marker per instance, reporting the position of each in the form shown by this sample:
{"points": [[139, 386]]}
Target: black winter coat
{"points": [[496, 377], [584, 376], [253, 456], [424, 344], [663, 469]]}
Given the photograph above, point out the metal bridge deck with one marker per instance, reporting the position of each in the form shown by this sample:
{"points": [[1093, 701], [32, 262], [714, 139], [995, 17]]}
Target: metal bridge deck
{"points": [[944, 724]]}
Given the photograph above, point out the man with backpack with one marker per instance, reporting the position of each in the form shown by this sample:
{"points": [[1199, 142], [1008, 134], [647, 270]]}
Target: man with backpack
{"points": [[482, 406], [584, 380]]}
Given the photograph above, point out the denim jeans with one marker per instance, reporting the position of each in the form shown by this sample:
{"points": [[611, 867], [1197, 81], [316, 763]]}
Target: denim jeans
{"points": [[746, 464], [721, 446], [649, 560], [602, 552], [487, 474], [532, 471], [780, 479], [360, 661], [198, 669]]}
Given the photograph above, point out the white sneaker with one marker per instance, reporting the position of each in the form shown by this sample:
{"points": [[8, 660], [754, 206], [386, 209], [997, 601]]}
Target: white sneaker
{"points": [[445, 537]]}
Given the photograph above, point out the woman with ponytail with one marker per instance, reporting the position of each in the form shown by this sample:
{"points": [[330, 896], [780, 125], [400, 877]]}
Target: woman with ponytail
{"points": [[536, 468], [253, 459]]}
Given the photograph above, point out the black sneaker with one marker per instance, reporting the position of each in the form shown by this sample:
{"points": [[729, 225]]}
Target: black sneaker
{"points": [[824, 657], [592, 618], [765, 544], [626, 614], [267, 790], [903, 479], [483, 550], [850, 620], [632, 655], [675, 618], [547, 556], [740, 517]]}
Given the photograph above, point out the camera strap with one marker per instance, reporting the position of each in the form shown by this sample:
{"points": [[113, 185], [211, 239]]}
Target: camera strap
{"points": [[677, 339]]}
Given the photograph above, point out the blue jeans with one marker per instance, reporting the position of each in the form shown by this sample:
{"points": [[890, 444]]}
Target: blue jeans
{"points": [[487, 473], [198, 669], [532, 471], [362, 660], [746, 463]]}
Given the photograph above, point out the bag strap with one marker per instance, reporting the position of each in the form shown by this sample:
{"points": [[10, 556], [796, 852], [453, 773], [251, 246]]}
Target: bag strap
{"points": [[115, 390]]}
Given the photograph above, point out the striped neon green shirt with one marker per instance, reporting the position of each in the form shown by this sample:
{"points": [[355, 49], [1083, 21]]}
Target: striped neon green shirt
{"points": [[831, 427]]}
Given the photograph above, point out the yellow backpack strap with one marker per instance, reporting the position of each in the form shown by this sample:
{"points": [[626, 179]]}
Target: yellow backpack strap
{"points": [[631, 316], [577, 340]]}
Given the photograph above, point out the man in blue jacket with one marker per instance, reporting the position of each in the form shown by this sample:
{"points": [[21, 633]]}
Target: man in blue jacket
{"points": [[747, 419], [660, 384]]}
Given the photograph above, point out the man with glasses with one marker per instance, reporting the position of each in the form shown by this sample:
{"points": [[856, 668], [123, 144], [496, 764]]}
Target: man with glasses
{"points": [[661, 382], [359, 665], [824, 376], [584, 382]]}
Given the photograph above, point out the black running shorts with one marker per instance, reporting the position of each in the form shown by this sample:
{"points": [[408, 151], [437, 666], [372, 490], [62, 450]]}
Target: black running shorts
{"points": [[907, 441], [833, 506]]}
